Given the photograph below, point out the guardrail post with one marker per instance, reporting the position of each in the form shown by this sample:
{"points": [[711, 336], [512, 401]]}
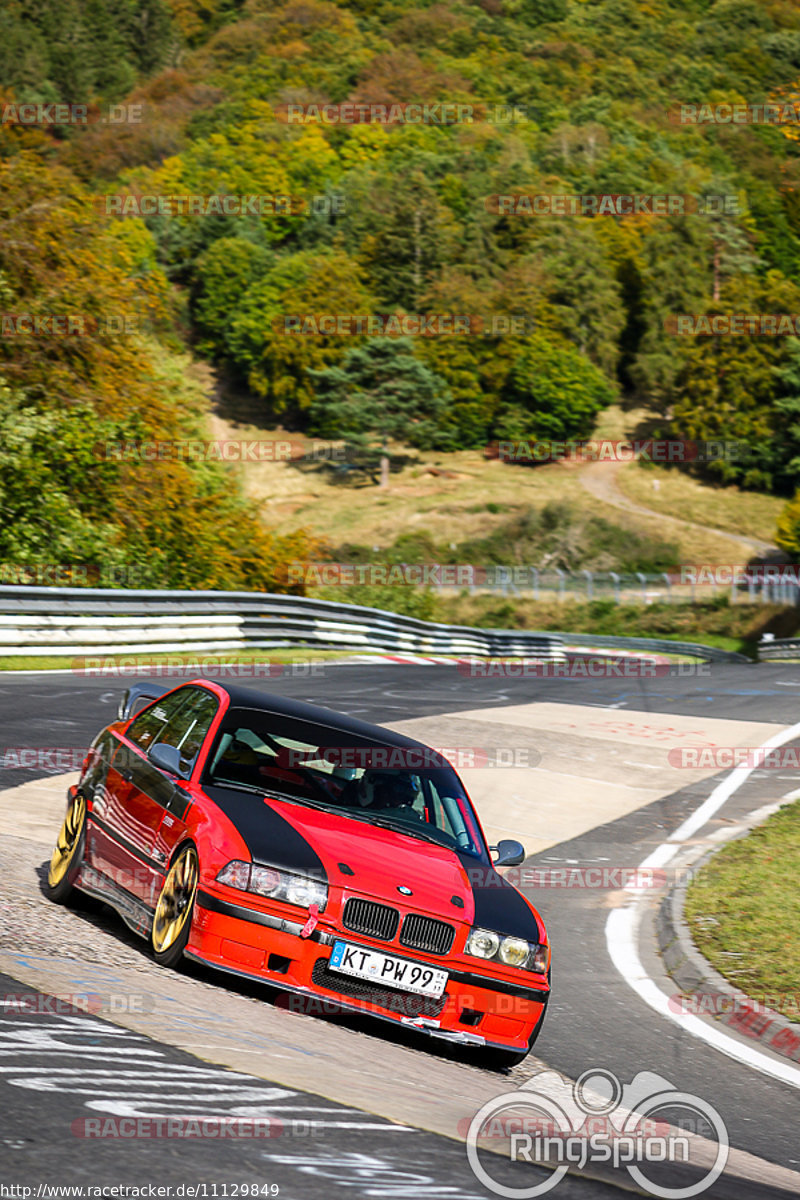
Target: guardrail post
{"points": [[561, 584], [751, 588], [615, 581], [589, 585], [643, 581], [668, 582], [535, 582]]}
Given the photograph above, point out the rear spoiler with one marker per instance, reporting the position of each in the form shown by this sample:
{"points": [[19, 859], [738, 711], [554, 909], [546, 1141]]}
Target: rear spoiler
{"points": [[131, 697]]}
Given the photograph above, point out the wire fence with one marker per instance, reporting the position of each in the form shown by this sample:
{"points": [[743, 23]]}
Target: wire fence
{"points": [[761, 585]]}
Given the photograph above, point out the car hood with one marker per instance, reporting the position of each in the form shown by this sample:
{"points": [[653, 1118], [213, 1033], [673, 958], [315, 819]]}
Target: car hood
{"points": [[372, 861], [311, 841], [383, 861]]}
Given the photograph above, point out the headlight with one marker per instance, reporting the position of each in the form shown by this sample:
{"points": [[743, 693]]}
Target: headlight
{"points": [[483, 943], [264, 880], [303, 891], [513, 951], [274, 883]]}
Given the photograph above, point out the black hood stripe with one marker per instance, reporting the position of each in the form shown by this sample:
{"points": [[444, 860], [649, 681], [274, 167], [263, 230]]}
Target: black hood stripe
{"points": [[498, 905], [270, 838]]}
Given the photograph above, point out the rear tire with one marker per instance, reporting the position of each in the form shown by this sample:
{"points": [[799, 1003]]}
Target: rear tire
{"points": [[172, 920], [67, 856]]}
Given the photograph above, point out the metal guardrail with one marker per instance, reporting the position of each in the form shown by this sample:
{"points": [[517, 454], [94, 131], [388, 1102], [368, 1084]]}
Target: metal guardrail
{"points": [[106, 621], [654, 646], [90, 621], [774, 649]]}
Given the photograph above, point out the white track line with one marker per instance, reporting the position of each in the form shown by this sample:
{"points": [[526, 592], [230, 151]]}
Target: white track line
{"points": [[622, 928]]}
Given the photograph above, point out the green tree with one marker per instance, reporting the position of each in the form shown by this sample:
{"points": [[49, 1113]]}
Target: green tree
{"points": [[380, 393], [728, 389], [553, 392], [787, 420]]}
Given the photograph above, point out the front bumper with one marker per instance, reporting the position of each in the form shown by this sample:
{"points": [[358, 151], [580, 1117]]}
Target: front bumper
{"points": [[475, 1009]]}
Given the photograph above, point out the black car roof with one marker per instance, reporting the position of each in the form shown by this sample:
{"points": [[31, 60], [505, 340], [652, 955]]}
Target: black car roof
{"points": [[314, 714]]}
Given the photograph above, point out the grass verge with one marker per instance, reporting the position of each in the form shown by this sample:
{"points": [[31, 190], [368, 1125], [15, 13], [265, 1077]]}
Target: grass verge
{"points": [[743, 910], [736, 627], [676, 494], [144, 666]]}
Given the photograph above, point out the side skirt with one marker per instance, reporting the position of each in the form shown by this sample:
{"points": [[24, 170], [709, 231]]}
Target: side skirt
{"points": [[134, 912]]}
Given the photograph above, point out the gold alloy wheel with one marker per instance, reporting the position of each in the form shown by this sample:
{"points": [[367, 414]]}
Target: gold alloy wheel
{"points": [[67, 841], [175, 902]]}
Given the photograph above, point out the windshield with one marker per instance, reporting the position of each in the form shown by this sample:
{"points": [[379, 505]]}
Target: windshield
{"points": [[412, 790]]}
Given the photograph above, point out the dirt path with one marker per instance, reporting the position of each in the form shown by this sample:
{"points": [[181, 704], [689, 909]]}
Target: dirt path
{"points": [[600, 480]]}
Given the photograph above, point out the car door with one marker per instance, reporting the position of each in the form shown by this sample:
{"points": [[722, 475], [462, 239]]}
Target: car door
{"points": [[126, 816], [187, 733], [139, 796]]}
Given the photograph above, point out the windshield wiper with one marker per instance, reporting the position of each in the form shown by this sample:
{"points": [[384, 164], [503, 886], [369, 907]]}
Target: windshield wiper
{"points": [[406, 827], [239, 787], [367, 818], [273, 795]]}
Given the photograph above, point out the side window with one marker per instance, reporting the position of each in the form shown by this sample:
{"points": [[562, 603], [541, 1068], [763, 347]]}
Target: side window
{"points": [[146, 729], [190, 724]]}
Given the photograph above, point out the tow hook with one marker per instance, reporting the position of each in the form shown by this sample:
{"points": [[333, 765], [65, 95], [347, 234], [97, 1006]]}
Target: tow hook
{"points": [[311, 923]]}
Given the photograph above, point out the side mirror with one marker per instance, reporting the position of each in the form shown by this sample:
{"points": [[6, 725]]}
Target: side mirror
{"points": [[166, 758], [509, 853]]}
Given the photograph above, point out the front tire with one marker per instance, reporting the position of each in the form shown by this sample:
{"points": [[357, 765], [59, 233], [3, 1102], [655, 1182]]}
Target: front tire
{"points": [[67, 857], [172, 920]]}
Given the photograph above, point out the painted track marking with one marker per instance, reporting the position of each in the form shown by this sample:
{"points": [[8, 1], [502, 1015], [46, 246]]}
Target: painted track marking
{"points": [[622, 930]]}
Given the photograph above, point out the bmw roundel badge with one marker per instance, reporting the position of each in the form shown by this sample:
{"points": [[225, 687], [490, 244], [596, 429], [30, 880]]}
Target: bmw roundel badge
{"points": [[404, 891]]}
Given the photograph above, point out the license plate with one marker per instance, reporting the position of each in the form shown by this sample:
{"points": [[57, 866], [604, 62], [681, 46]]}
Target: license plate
{"points": [[387, 969]]}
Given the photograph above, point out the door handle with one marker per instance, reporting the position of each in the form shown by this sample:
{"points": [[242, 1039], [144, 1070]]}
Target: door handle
{"points": [[126, 775]]}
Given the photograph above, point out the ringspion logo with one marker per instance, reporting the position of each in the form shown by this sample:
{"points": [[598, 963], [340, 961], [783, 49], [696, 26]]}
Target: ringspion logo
{"points": [[598, 1119]]}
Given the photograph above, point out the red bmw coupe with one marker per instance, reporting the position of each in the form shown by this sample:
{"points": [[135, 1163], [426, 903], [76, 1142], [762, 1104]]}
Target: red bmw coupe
{"points": [[316, 853]]}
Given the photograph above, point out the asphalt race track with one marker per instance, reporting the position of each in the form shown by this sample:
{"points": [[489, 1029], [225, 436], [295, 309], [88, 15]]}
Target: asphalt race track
{"points": [[344, 1092]]}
